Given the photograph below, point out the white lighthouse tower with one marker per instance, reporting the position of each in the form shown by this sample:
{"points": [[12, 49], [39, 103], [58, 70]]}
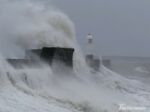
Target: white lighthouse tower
{"points": [[90, 38], [92, 62], [89, 45]]}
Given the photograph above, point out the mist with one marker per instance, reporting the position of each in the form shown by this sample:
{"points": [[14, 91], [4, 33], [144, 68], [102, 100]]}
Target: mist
{"points": [[27, 25]]}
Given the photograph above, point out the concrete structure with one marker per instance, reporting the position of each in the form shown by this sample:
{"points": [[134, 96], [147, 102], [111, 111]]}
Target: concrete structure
{"points": [[49, 55], [93, 62]]}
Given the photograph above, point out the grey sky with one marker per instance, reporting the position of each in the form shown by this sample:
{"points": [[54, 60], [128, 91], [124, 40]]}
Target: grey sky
{"points": [[120, 27]]}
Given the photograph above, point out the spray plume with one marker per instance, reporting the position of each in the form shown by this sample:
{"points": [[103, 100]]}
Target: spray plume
{"points": [[26, 24]]}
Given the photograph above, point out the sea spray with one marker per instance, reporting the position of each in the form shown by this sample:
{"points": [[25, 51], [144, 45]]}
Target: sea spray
{"points": [[32, 25], [28, 24]]}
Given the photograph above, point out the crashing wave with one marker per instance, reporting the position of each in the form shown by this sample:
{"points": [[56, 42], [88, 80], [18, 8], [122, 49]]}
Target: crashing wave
{"points": [[28, 24]]}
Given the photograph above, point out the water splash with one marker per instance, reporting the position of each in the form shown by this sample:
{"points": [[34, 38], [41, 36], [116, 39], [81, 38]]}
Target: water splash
{"points": [[28, 24]]}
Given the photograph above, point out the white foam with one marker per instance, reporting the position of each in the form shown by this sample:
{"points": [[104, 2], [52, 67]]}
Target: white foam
{"points": [[27, 24]]}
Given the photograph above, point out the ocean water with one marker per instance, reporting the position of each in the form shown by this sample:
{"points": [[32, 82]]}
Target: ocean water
{"points": [[137, 68], [28, 24]]}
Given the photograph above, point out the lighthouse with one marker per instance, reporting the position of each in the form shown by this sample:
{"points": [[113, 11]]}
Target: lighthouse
{"points": [[90, 38], [89, 44], [91, 60]]}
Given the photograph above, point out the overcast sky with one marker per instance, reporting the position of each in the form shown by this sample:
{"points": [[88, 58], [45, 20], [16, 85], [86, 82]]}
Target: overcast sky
{"points": [[120, 27]]}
